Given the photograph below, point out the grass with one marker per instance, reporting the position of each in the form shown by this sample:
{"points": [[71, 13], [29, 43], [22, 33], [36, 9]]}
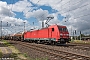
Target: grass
{"points": [[25, 54], [6, 43], [80, 41], [1, 54], [16, 54]]}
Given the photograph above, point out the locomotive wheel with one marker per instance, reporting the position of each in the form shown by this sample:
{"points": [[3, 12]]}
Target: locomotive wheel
{"points": [[30, 41], [38, 41], [53, 43], [63, 42], [22, 40], [56, 43]]}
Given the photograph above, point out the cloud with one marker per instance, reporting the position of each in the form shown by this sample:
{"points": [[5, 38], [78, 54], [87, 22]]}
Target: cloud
{"points": [[38, 14], [76, 13], [9, 22], [21, 6], [13, 25], [5, 10]]}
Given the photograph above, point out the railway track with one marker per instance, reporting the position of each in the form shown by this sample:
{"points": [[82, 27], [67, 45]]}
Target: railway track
{"points": [[54, 52]]}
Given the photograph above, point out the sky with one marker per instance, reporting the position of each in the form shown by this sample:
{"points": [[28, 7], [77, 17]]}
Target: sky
{"points": [[74, 14]]}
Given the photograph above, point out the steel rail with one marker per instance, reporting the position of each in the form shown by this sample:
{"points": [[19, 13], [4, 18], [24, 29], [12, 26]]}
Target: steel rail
{"points": [[63, 54]]}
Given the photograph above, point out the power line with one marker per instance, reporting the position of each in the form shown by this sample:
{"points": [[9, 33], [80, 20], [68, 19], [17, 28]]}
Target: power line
{"points": [[30, 9], [59, 2], [24, 9], [75, 8], [66, 2], [38, 1], [72, 4], [78, 8], [82, 16]]}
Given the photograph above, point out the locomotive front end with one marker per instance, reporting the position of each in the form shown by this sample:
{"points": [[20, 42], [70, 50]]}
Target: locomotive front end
{"points": [[64, 34]]}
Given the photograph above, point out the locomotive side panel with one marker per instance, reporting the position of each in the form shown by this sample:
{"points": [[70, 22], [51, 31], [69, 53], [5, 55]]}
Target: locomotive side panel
{"points": [[43, 33], [54, 32], [26, 35]]}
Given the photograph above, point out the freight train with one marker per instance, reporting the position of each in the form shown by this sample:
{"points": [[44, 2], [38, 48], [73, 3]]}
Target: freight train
{"points": [[54, 34]]}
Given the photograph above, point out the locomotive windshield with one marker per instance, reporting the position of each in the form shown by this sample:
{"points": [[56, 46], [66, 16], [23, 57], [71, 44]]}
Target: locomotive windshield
{"points": [[62, 29]]}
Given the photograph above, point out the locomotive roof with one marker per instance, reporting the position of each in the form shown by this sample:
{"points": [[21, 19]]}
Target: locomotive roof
{"points": [[53, 26], [49, 27], [57, 26]]}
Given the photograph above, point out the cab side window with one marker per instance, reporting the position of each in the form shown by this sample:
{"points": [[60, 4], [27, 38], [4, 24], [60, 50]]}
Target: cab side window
{"points": [[52, 29]]}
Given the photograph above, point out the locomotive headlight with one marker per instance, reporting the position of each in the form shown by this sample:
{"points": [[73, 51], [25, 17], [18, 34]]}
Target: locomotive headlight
{"points": [[61, 35]]}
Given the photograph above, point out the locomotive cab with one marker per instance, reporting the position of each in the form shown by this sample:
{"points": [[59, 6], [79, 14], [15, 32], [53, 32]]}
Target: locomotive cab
{"points": [[64, 34], [60, 33]]}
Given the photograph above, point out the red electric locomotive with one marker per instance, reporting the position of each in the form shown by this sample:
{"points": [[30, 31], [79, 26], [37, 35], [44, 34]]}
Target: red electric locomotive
{"points": [[52, 34]]}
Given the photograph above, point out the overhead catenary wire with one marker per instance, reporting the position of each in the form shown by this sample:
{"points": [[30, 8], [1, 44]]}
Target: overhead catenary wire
{"points": [[82, 16], [30, 9], [75, 8], [59, 2], [23, 9], [65, 4], [62, 5], [69, 4], [72, 9], [79, 7], [72, 4], [68, 11]]}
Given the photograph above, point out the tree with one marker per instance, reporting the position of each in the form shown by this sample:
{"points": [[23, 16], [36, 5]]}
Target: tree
{"points": [[82, 35]]}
